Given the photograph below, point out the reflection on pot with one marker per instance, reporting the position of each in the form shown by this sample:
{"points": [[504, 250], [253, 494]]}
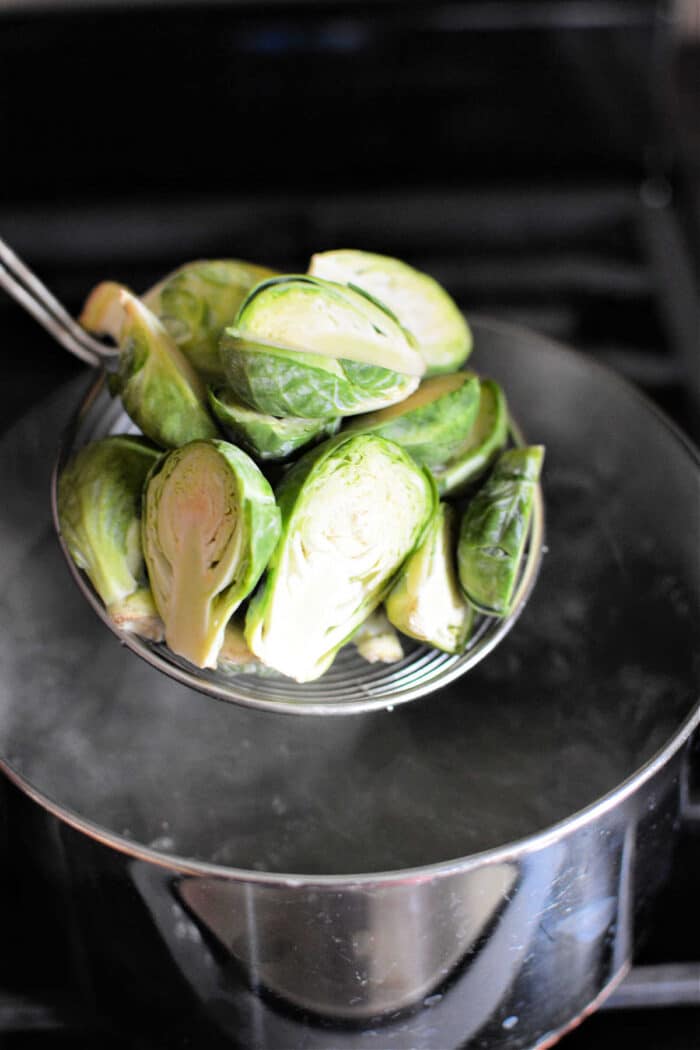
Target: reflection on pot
{"points": [[463, 955], [356, 953]]}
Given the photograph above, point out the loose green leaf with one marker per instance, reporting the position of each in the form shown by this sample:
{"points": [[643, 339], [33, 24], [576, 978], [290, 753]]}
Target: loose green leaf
{"points": [[494, 530]]}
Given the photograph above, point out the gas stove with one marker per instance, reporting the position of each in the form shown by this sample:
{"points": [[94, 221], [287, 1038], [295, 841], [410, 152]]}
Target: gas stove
{"points": [[584, 230]]}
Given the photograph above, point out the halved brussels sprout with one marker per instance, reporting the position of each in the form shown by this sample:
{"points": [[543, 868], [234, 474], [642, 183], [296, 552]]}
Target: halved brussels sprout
{"points": [[352, 511], [431, 423], [159, 389], [377, 641], [267, 437], [454, 468], [209, 527], [198, 300], [309, 348], [426, 601], [137, 614], [419, 302], [494, 530], [99, 510], [103, 312]]}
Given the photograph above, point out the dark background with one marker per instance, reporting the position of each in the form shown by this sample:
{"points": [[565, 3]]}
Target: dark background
{"points": [[542, 159], [315, 96]]}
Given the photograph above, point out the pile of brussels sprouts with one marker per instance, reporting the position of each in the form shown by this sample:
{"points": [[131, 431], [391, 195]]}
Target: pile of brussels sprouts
{"points": [[312, 436]]}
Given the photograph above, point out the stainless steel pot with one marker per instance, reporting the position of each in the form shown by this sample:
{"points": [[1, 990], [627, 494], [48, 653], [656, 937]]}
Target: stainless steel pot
{"points": [[468, 870]]}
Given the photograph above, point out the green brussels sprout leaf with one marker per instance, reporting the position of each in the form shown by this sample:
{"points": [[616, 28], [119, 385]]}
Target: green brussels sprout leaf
{"points": [[494, 530]]}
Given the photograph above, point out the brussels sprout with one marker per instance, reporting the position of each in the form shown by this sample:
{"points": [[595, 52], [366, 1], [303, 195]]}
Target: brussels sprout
{"points": [[419, 302], [99, 506], [137, 614], [103, 312], [198, 300], [209, 527], [377, 641], [159, 388], [433, 422], [426, 601], [352, 510], [494, 530], [456, 467], [306, 347], [267, 437], [234, 656]]}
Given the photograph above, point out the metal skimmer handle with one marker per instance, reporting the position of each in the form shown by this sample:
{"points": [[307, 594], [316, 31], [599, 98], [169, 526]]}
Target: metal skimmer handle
{"points": [[33, 295]]}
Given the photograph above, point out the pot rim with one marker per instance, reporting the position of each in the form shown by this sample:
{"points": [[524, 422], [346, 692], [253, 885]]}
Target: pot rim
{"points": [[440, 869]]}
